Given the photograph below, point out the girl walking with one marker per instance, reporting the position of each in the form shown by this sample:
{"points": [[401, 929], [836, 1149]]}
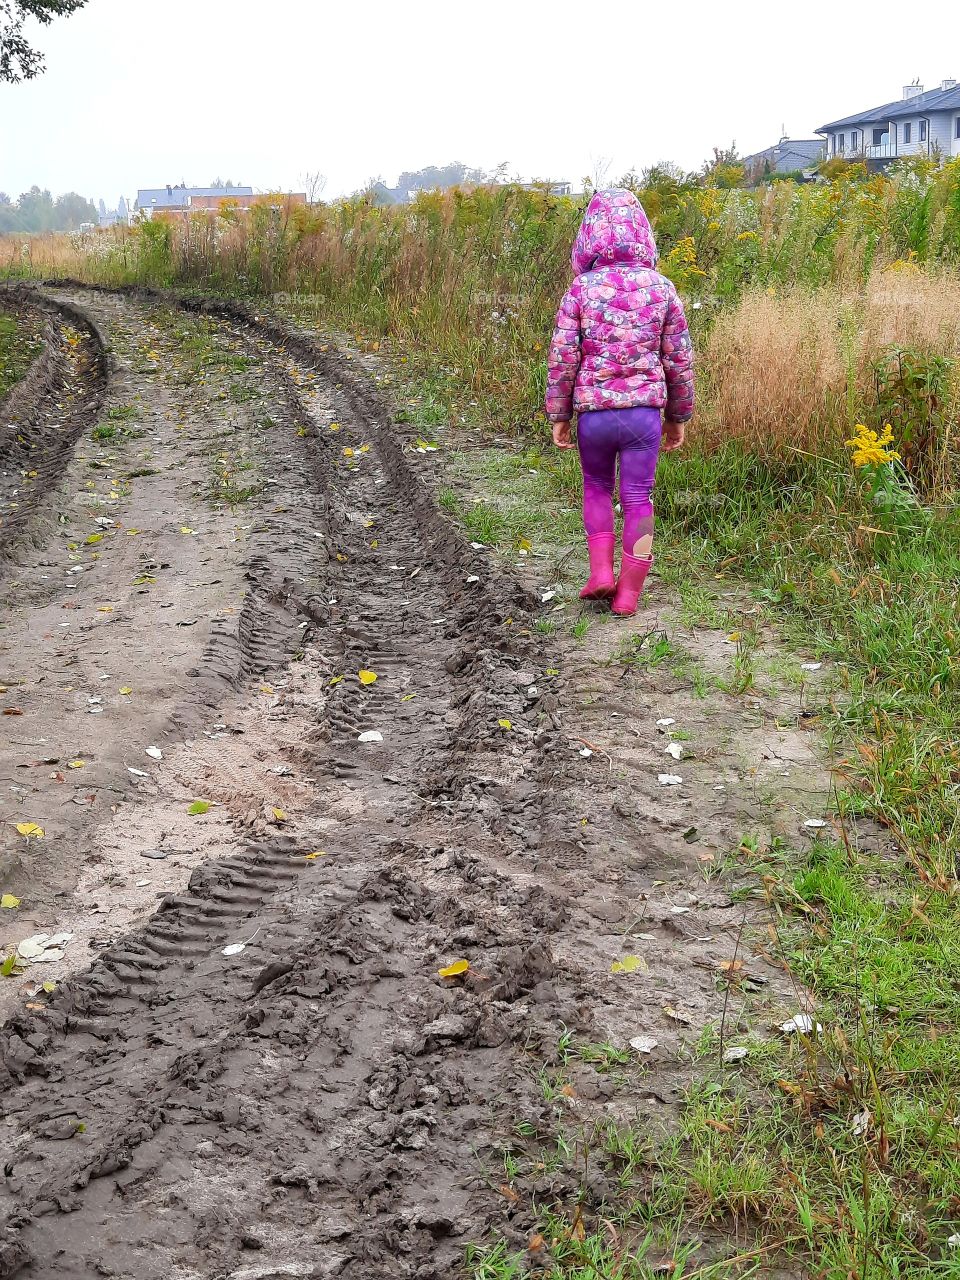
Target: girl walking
{"points": [[621, 358]]}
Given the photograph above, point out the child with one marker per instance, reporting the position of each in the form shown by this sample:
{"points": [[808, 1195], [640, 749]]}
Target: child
{"points": [[620, 354]]}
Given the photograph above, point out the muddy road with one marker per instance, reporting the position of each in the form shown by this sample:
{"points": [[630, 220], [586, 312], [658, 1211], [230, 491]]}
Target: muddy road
{"points": [[294, 746]]}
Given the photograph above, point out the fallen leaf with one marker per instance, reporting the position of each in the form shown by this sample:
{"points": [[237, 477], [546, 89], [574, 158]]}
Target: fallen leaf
{"points": [[629, 964], [76, 764], [643, 1044], [154, 753], [8, 901], [736, 1053], [336, 679], [234, 948], [12, 711], [367, 677], [126, 689], [669, 779], [407, 696], [8, 966], [198, 806], [454, 970], [279, 815], [30, 830], [505, 724], [733, 637], [717, 1124], [676, 1015], [91, 538], [312, 857], [49, 987], [667, 720], [673, 749], [800, 1023], [814, 823]]}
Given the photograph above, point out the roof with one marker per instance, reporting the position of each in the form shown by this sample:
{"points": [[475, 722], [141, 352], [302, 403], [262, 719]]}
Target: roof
{"points": [[809, 150], [176, 197], [919, 104]]}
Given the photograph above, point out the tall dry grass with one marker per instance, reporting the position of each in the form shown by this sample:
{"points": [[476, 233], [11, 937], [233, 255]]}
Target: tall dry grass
{"points": [[791, 371]]}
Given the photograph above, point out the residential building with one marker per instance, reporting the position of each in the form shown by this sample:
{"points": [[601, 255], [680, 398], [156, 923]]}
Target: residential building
{"points": [[920, 123]]}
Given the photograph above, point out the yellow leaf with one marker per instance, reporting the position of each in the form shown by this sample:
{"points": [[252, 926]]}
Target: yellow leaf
{"points": [[279, 815], [505, 724], [29, 829], [132, 533], [105, 608], [266, 688], [348, 453], [629, 964], [126, 689], [364, 448], [186, 529], [454, 970], [524, 544], [407, 696], [341, 557], [76, 764], [91, 538], [335, 679], [733, 637], [375, 544], [49, 986], [334, 426], [367, 677], [8, 900], [312, 857]]}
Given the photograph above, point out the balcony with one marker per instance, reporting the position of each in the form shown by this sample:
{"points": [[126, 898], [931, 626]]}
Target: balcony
{"points": [[881, 151]]}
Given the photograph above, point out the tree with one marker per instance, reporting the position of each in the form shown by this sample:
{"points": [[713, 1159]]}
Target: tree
{"points": [[18, 59]]}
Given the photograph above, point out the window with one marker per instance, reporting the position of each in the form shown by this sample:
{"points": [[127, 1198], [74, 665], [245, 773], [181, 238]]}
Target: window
{"points": [[879, 137], [908, 132], [853, 140], [842, 137], [958, 127], [923, 130]]}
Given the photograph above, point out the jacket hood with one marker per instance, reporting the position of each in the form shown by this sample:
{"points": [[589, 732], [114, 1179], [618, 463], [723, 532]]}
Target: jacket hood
{"points": [[614, 229]]}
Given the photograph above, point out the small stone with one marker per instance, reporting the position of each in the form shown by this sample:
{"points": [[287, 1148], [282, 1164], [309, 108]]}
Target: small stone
{"points": [[153, 853]]}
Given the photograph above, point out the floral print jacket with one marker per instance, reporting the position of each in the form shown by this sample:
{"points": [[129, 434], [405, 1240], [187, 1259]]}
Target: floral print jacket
{"points": [[621, 339]]}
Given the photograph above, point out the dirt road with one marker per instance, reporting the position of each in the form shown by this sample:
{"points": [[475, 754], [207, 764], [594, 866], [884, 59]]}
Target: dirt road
{"points": [[249, 1065]]}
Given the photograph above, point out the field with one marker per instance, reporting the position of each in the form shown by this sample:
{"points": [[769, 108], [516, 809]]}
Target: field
{"points": [[341, 472]]}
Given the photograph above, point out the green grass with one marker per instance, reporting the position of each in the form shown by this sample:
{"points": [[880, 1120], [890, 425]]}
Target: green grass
{"points": [[18, 349]]}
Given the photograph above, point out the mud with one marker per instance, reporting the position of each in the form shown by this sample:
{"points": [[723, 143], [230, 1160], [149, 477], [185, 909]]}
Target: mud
{"points": [[316, 1100]]}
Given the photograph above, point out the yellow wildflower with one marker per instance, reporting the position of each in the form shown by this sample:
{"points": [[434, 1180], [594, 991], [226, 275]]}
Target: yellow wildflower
{"points": [[872, 448]]}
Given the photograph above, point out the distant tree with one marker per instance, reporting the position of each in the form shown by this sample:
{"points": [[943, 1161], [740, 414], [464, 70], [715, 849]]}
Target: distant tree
{"points": [[102, 208], [313, 183], [122, 209], [18, 59], [4, 198], [70, 210]]}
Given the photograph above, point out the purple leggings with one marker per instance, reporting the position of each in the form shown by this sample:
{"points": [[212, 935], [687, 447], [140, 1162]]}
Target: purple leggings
{"points": [[634, 435]]}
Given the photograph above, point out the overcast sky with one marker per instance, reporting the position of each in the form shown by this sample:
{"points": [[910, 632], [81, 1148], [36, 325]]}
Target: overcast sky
{"points": [[139, 94]]}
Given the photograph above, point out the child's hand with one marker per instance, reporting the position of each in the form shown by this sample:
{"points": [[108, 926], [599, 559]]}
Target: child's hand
{"points": [[561, 435], [673, 436]]}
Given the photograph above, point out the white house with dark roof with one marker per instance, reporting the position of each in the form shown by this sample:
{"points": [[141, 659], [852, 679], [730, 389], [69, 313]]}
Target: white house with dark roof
{"points": [[921, 123]]}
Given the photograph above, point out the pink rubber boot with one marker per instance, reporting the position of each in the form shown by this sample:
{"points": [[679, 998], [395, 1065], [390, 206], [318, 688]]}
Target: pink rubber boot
{"points": [[600, 584], [633, 574]]}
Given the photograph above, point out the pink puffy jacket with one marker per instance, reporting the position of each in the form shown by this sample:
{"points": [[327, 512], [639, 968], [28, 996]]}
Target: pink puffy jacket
{"points": [[621, 339]]}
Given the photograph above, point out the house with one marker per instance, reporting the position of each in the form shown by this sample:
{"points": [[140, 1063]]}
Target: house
{"points": [[789, 155], [921, 123], [177, 199]]}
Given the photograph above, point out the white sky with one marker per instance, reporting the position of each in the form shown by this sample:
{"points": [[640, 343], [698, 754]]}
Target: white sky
{"points": [[139, 94]]}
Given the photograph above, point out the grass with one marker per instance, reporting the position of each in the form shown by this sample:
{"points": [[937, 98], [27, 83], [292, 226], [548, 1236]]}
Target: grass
{"points": [[19, 347]]}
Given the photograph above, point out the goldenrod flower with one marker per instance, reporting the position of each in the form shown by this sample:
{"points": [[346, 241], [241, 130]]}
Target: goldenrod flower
{"points": [[872, 448]]}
